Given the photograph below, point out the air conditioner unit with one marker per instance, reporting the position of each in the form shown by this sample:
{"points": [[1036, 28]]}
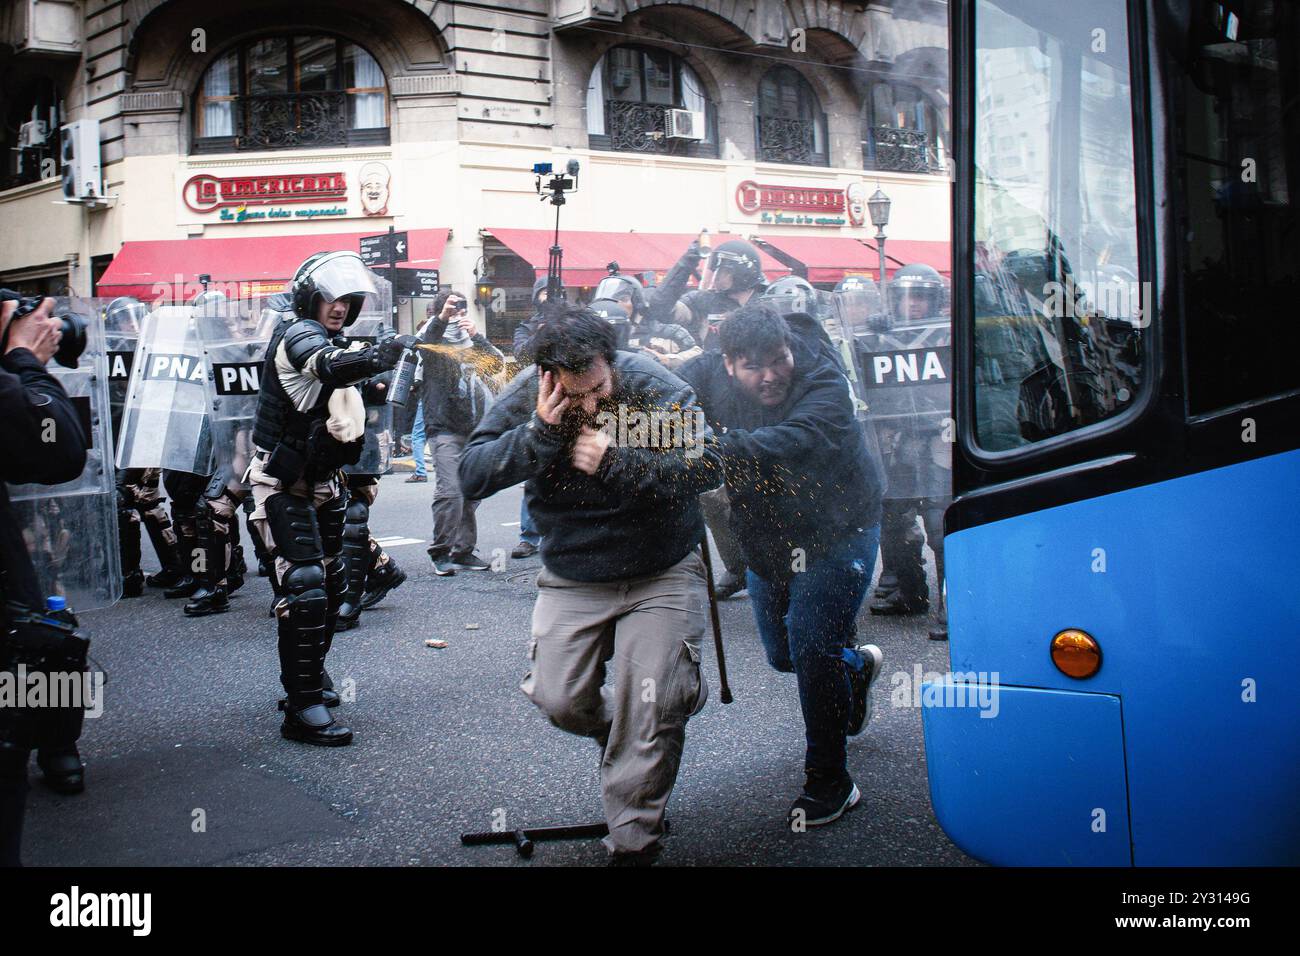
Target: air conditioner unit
{"points": [[45, 27], [83, 180], [683, 124], [33, 133]]}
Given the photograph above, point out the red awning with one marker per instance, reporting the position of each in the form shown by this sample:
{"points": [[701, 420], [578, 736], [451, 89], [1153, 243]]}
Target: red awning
{"points": [[587, 254], [240, 266], [828, 259]]}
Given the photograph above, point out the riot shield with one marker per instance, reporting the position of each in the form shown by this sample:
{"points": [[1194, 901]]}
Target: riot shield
{"points": [[904, 380], [165, 419], [71, 529], [122, 322], [376, 456], [233, 336]]}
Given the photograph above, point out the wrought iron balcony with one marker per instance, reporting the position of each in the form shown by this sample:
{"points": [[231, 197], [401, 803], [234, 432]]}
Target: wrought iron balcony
{"points": [[782, 140], [900, 150], [635, 127], [288, 120]]}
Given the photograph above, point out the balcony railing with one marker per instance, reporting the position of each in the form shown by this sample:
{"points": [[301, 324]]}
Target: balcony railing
{"points": [[782, 140], [288, 120], [635, 127], [900, 150]]}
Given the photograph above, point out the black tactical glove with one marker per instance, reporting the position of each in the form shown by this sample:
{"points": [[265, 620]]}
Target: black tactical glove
{"points": [[389, 353]]}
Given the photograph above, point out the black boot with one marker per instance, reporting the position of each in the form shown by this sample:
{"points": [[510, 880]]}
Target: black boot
{"points": [[128, 539], [302, 647], [238, 566], [382, 579], [210, 597], [357, 557], [133, 584], [57, 754], [186, 583], [168, 554], [64, 772]]}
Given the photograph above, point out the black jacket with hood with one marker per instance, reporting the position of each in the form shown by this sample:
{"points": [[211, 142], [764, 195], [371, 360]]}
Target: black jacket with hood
{"points": [[800, 475], [638, 514]]}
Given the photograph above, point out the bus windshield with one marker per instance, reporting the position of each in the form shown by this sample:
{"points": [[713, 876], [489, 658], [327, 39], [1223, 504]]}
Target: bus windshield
{"points": [[1059, 308]]}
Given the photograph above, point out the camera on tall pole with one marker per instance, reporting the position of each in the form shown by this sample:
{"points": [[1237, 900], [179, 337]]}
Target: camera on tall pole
{"points": [[553, 186]]}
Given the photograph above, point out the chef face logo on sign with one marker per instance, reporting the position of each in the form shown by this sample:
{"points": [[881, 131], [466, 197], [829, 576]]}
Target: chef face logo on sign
{"points": [[856, 195], [375, 189]]}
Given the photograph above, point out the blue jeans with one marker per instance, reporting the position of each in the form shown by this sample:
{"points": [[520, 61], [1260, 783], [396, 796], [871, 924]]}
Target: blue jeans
{"points": [[806, 622], [417, 441], [527, 530]]}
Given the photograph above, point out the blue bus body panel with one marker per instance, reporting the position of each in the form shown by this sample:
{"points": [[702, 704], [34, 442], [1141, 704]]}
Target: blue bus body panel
{"points": [[1192, 588], [1048, 762]]}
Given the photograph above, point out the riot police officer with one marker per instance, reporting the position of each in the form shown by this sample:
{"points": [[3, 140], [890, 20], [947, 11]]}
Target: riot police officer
{"points": [[234, 340], [791, 295], [139, 501], [916, 454], [309, 424]]}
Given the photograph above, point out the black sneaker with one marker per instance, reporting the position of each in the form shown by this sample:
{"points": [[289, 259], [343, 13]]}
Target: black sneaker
{"points": [[469, 561], [524, 549], [860, 681], [443, 566], [896, 602], [825, 798]]}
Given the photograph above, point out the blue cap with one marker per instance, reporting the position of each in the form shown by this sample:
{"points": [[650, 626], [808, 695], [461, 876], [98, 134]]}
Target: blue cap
{"points": [[56, 602]]}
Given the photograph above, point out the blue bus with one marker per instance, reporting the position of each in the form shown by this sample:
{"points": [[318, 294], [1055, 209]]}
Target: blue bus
{"points": [[1123, 546]]}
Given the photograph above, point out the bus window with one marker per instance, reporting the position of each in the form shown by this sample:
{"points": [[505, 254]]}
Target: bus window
{"points": [[1237, 124], [1060, 311]]}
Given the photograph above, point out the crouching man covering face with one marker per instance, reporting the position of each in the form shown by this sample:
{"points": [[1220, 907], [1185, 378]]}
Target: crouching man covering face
{"points": [[805, 495], [622, 580]]}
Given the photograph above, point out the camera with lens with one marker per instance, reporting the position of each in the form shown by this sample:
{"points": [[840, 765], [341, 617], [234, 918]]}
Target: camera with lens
{"points": [[73, 327]]}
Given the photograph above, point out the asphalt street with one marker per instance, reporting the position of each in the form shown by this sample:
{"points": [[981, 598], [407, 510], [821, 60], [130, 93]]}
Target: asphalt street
{"points": [[186, 765]]}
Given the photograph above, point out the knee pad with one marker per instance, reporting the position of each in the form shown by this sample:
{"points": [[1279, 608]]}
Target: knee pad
{"points": [[356, 521], [292, 521], [303, 588], [331, 516]]}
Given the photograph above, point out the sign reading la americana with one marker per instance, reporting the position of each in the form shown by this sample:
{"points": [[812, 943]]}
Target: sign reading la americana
{"points": [[345, 190], [752, 197], [204, 192]]}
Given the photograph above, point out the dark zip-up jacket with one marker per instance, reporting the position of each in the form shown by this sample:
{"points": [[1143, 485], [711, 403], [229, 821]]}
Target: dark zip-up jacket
{"points": [[45, 444], [450, 404], [637, 515], [800, 476]]}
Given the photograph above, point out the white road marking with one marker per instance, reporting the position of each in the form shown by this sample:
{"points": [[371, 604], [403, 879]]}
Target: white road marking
{"points": [[396, 540], [510, 524]]}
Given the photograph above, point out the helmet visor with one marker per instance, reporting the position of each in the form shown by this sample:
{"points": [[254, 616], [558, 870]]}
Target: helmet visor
{"points": [[344, 275]]}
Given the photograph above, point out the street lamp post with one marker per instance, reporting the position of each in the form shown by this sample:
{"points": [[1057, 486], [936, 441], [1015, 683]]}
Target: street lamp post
{"points": [[878, 205]]}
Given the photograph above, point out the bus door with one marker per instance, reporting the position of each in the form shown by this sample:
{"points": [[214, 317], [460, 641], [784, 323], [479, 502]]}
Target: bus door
{"points": [[1122, 551]]}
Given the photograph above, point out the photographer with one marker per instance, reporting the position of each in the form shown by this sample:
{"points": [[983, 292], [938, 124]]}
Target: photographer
{"points": [[621, 578], [44, 442], [454, 397]]}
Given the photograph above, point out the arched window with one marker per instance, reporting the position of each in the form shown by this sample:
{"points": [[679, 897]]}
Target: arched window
{"points": [[901, 131], [638, 99], [291, 92], [790, 125]]}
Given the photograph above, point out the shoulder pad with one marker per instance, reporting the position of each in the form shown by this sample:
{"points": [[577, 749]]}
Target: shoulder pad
{"points": [[303, 339]]}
